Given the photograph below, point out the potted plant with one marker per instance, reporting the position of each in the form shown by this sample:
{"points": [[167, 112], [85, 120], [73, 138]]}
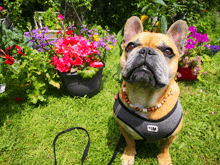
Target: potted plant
{"points": [[194, 53], [79, 60]]}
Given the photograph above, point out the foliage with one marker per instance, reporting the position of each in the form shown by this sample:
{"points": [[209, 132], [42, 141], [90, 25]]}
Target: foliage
{"points": [[49, 19], [9, 37], [113, 13], [31, 69], [22, 11]]}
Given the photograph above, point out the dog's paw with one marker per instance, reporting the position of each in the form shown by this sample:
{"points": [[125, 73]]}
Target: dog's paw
{"points": [[127, 159], [164, 159]]}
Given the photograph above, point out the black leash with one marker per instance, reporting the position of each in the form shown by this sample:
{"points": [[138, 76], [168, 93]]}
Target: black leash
{"points": [[87, 146]]}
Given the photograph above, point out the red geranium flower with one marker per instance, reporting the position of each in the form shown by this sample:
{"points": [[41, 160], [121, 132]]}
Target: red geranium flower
{"points": [[19, 50], [9, 60], [78, 61], [204, 11], [96, 64], [69, 32]]}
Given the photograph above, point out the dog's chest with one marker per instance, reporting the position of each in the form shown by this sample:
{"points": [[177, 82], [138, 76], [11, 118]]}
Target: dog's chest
{"points": [[143, 98]]}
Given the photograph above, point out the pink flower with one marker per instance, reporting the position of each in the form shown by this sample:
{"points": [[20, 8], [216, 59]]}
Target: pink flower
{"points": [[213, 112], [78, 61], [1, 8], [205, 73], [75, 51], [61, 17], [96, 64], [88, 59]]}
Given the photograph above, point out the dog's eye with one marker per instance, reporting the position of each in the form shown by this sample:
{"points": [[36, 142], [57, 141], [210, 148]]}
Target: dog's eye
{"points": [[130, 46], [168, 51]]}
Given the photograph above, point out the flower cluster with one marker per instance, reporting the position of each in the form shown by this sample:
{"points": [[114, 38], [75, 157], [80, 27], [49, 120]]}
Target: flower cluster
{"points": [[198, 38], [7, 54], [103, 44], [102, 40], [192, 57], [76, 53], [40, 39], [213, 48]]}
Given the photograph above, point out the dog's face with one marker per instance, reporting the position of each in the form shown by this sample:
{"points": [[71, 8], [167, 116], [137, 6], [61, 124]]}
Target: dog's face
{"points": [[150, 58]]}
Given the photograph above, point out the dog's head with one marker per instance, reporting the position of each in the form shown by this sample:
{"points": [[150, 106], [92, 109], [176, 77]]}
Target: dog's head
{"points": [[151, 58]]}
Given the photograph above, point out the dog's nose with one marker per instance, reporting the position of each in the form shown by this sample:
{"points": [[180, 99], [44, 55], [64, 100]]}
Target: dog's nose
{"points": [[147, 51]]}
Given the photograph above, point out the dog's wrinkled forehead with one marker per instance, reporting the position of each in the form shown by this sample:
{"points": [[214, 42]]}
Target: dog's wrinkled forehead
{"points": [[153, 40]]}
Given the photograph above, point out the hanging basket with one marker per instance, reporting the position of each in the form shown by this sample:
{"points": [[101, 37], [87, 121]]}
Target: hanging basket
{"points": [[186, 74], [78, 86]]}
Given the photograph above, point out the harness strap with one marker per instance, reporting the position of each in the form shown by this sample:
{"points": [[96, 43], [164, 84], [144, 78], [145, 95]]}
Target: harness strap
{"points": [[88, 145], [150, 130]]}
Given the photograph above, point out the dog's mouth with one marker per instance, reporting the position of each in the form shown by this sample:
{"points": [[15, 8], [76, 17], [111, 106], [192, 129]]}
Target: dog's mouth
{"points": [[142, 75], [142, 68]]}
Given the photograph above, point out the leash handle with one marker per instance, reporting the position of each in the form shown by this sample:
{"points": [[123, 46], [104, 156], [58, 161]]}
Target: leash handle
{"points": [[67, 130]]}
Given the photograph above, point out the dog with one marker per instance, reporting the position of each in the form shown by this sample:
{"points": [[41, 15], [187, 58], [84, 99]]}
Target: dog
{"points": [[147, 106]]}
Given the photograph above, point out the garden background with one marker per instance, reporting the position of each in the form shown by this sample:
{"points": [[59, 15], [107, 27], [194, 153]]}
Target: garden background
{"points": [[28, 126]]}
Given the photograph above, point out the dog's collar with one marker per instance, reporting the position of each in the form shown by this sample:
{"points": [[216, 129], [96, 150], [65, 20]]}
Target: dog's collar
{"points": [[143, 109]]}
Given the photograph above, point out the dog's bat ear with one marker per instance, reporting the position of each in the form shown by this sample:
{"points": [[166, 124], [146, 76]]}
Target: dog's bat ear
{"points": [[132, 27], [178, 33]]}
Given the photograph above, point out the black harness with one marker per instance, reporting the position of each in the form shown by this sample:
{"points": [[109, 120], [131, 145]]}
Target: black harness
{"points": [[150, 130]]}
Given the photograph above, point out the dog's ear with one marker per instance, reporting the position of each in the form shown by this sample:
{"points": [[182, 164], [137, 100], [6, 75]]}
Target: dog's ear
{"points": [[132, 27], [178, 33]]}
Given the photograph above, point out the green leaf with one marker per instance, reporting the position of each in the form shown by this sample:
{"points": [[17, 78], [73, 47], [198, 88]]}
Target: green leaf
{"points": [[55, 84], [87, 72], [120, 36], [161, 2], [163, 24], [144, 9]]}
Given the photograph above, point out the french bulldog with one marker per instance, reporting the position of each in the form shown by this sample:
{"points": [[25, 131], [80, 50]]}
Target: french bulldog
{"points": [[147, 106]]}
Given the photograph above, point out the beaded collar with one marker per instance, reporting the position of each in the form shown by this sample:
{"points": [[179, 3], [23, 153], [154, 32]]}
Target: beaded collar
{"points": [[146, 109]]}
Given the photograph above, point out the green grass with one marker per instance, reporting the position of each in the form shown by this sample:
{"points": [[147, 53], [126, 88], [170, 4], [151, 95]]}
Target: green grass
{"points": [[28, 137]]}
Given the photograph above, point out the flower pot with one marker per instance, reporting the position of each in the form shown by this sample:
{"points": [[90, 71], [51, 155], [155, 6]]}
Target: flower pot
{"points": [[186, 73], [78, 86]]}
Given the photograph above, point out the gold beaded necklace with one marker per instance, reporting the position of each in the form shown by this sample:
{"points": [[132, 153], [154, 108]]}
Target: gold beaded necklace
{"points": [[146, 109]]}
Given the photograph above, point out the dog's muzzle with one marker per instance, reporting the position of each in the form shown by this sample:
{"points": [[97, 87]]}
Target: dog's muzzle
{"points": [[146, 66]]}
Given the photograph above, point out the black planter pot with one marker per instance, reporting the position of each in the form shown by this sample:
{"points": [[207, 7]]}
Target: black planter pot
{"points": [[78, 86]]}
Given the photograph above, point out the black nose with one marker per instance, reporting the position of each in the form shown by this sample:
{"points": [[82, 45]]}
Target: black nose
{"points": [[147, 51]]}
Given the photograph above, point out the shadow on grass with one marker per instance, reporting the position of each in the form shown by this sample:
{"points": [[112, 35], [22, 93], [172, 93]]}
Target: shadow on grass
{"points": [[15, 99], [144, 149]]}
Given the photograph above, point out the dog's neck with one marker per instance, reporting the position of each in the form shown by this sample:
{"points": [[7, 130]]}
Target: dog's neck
{"points": [[150, 97]]}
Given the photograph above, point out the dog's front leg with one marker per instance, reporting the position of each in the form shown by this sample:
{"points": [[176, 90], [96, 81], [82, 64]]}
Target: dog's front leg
{"points": [[164, 155], [129, 152]]}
